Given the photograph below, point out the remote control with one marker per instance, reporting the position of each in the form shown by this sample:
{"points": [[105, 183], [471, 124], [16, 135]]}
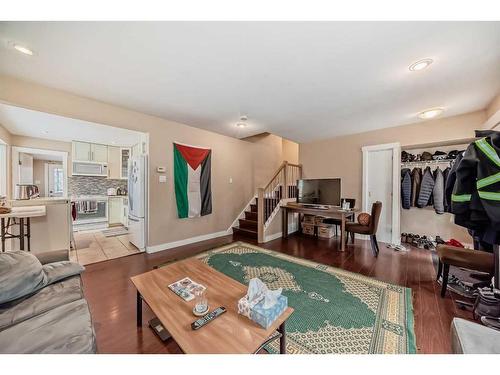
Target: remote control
{"points": [[208, 318]]}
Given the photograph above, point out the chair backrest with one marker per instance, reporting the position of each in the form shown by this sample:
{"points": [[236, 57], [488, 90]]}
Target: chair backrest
{"points": [[352, 202], [376, 210]]}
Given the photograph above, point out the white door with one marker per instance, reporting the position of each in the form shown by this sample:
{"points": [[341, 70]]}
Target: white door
{"points": [[99, 153], [25, 169], [81, 151], [55, 180], [379, 188]]}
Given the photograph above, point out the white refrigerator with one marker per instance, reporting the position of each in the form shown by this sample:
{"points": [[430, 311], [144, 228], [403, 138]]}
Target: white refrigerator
{"points": [[137, 178]]}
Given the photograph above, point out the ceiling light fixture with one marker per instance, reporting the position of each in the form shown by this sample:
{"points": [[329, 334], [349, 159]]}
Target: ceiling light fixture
{"points": [[420, 65], [23, 49], [430, 113], [242, 123]]}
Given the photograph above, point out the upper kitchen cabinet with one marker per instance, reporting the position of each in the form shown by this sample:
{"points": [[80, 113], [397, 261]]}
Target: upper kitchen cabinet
{"points": [[124, 157], [99, 153], [81, 151], [118, 162], [90, 152]]}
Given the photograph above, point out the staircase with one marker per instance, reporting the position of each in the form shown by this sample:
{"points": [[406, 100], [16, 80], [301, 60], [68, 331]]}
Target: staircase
{"points": [[265, 205]]}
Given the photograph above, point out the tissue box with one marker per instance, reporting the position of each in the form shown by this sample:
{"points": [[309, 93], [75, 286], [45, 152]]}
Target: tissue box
{"points": [[260, 315]]}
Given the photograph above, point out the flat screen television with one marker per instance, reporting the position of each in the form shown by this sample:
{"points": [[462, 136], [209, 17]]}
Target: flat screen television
{"points": [[322, 191]]}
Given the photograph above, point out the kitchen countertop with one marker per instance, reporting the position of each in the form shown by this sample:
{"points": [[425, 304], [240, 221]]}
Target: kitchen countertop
{"points": [[95, 197], [42, 201], [29, 211]]}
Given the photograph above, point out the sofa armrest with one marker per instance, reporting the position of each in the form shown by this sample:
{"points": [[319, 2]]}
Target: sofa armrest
{"points": [[53, 256]]}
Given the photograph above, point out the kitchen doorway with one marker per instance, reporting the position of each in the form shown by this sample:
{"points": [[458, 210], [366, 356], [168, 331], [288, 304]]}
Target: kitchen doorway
{"points": [[33, 166]]}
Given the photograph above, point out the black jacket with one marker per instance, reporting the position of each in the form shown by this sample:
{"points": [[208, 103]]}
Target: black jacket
{"points": [[426, 188], [476, 194], [405, 188], [450, 181], [446, 200], [416, 179]]}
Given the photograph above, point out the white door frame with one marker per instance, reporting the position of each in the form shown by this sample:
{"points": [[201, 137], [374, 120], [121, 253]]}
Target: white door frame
{"points": [[15, 150], [396, 181]]}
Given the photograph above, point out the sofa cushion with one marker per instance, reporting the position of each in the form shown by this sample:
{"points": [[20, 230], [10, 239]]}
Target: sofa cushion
{"points": [[60, 270], [52, 296], [63, 330], [20, 274]]}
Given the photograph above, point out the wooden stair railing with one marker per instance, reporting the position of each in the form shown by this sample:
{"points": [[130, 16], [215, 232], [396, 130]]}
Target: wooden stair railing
{"points": [[283, 185]]}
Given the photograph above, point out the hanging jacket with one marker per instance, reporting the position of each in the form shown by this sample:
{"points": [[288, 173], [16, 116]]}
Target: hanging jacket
{"points": [[450, 181], [446, 202], [426, 188], [405, 188], [416, 179], [437, 192], [476, 194]]}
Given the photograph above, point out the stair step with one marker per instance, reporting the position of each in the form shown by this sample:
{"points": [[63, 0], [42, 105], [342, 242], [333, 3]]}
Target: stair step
{"points": [[245, 232], [253, 208], [248, 224], [251, 215]]}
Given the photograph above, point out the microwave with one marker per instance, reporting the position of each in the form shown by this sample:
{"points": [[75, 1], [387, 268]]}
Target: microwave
{"points": [[90, 169]]}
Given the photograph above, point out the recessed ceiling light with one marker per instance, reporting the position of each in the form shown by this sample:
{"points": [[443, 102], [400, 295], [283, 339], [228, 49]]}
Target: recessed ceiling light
{"points": [[23, 49], [242, 123], [430, 113], [420, 65]]}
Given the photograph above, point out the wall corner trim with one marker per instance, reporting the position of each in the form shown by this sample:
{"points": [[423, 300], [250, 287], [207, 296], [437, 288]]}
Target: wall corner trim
{"points": [[187, 241]]}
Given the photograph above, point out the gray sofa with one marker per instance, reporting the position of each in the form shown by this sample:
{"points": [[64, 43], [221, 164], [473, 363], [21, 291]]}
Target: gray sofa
{"points": [[42, 306]]}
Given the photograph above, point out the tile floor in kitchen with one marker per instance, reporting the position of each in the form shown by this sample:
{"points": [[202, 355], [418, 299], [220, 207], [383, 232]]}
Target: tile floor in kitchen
{"points": [[93, 247]]}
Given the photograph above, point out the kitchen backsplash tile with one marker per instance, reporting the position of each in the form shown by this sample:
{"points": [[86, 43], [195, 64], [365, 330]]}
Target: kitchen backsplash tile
{"points": [[93, 185]]}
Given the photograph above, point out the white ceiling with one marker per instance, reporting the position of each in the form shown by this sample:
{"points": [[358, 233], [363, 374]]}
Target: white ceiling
{"points": [[300, 80], [22, 121]]}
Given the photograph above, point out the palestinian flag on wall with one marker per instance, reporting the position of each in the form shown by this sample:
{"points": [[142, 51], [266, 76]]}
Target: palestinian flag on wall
{"points": [[192, 180]]}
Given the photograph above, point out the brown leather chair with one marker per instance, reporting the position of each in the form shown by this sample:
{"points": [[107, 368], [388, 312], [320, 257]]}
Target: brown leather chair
{"points": [[474, 260], [369, 230]]}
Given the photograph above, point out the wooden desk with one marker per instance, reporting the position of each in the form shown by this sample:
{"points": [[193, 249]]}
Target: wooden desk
{"points": [[228, 333], [333, 212]]}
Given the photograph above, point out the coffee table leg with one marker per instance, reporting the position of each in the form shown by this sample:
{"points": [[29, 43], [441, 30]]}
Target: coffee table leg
{"points": [[282, 330], [139, 309]]}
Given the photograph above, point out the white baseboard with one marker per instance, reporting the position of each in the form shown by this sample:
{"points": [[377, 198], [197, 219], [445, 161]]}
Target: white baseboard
{"points": [[272, 236], [187, 241]]}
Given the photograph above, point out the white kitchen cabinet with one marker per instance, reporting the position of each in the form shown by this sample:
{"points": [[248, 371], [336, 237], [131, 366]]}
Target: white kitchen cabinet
{"points": [[99, 153], [81, 151], [91, 152], [115, 210], [124, 158], [125, 212], [114, 163]]}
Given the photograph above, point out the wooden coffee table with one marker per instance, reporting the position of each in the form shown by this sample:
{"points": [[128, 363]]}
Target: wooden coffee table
{"points": [[229, 333]]}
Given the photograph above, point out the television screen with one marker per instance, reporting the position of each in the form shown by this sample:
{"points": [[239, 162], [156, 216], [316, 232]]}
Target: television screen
{"points": [[324, 191]]}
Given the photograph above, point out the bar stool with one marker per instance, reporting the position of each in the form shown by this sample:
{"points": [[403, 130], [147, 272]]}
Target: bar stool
{"points": [[24, 215]]}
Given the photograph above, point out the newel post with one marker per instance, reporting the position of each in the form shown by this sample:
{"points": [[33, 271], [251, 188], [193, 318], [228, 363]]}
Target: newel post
{"points": [[285, 178], [260, 215]]}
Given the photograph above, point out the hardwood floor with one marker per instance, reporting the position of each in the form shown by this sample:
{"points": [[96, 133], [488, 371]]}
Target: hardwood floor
{"points": [[111, 294]]}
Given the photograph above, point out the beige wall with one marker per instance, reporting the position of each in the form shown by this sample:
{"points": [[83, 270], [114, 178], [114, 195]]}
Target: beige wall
{"points": [[243, 161], [290, 151], [493, 107], [342, 156]]}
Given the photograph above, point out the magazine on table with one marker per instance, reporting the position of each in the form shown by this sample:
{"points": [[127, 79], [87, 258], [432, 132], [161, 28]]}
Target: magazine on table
{"points": [[186, 288]]}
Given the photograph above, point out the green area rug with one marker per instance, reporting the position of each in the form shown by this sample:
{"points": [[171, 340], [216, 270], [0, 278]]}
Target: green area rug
{"points": [[336, 311]]}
